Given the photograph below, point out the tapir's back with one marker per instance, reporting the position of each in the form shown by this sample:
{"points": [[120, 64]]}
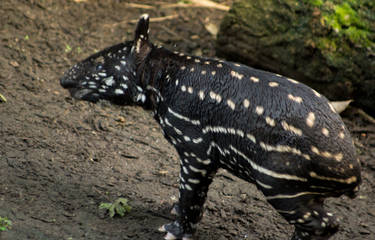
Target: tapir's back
{"points": [[276, 121]]}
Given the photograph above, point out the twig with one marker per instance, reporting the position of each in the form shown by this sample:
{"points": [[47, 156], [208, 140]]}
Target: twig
{"points": [[195, 3], [198, 3], [142, 6], [157, 19], [365, 116], [362, 130]]}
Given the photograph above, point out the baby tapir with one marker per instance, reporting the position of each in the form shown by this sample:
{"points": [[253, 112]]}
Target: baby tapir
{"points": [[267, 129]]}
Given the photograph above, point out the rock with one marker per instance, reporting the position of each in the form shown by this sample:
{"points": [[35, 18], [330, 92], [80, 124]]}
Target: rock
{"points": [[329, 45]]}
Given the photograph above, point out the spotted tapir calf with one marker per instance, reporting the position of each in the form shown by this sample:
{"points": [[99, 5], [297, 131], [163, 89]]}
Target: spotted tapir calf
{"points": [[267, 129]]}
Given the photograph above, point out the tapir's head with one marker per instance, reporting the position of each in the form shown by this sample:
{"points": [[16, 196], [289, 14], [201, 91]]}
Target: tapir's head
{"points": [[112, 74]]}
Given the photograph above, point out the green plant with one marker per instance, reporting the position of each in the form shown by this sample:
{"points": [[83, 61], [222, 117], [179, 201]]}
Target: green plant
{"points": [[5, 224], [68, 48], [119, 206]]}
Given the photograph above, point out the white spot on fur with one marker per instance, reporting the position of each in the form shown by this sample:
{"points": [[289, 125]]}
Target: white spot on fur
{"points": [[259, 110], [109, 81], [273, 84], [119, 91], [316, 93], [187, 138], [246, 103], [342, 135], [291, 128], [292, 81], [251, 137], [215, 96], [231, 104], [197, 140], [270, 121], [310, 120], [338, 157], [295, 98], [202, 171], [194, 181], [201, 95], [325, 132], [190, 90], [236, 75], [254, 79]]}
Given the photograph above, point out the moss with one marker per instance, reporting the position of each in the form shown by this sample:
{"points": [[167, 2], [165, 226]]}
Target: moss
{"points": [[315, 41], [316, 3], [344, 28], [347, 20]]}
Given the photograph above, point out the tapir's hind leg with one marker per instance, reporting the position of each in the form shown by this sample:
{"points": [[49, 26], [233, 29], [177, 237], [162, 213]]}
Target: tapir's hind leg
{"points": [[308, 216]]}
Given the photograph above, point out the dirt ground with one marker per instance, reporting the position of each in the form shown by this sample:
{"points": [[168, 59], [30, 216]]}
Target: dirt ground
{"points": [[61, 158]]}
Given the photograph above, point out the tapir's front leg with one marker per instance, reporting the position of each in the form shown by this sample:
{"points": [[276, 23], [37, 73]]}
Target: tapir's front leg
{"points": [[195, 177]]}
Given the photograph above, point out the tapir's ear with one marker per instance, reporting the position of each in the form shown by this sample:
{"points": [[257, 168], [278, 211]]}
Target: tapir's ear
{"points": [[141, 46]]}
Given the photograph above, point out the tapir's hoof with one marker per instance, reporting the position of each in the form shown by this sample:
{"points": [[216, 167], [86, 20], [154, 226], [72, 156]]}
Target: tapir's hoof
{"points": [[174, 231], [162, 229], [176, 210], [325, 235]]}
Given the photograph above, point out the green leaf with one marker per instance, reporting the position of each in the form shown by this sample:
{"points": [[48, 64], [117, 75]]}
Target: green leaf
{"points": [[119, 207], [112, 211], [105, 205], [68, 48], [120, 210], [5, 224], [2, 98]]}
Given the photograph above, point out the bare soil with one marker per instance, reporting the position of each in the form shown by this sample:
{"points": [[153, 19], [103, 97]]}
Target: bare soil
{"points": [[61, 158]]}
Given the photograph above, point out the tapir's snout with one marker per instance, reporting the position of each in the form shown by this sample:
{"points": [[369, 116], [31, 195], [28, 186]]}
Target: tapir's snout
{"points": [[70, 79], [67, 82]]}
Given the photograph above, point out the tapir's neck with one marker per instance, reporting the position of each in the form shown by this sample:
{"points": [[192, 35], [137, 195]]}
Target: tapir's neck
{"points": [[157, 72]]}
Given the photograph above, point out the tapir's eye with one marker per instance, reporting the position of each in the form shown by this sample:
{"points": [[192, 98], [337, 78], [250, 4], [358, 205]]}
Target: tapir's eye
{"points": [[99, 67]]}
